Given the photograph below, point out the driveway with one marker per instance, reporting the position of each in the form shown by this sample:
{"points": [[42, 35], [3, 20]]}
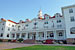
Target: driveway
{"points": [[6, 45]]}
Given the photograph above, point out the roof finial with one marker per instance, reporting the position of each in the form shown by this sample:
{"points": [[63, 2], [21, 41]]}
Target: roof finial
{"points": [[40, 13]]}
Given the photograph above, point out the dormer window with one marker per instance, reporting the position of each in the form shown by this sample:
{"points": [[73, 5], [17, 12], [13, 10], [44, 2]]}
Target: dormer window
{"points": [[70, 10], [47, 17], [57, 16]]}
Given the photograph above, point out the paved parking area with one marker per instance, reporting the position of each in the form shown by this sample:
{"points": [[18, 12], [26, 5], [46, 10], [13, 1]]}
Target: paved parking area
{"points": [[6, 45]]}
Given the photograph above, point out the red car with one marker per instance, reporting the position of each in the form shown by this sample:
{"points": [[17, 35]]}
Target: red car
{"points": [[49, 41]]}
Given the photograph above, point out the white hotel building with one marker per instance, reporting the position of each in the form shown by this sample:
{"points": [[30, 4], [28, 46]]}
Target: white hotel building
{"points": [[58, 27]]}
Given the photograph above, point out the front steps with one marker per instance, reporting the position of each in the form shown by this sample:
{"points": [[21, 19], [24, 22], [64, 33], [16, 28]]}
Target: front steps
{"points": [[29, 41]]}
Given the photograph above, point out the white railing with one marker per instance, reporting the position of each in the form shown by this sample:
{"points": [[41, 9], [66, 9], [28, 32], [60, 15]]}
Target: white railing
{"points": [[40, 29]]}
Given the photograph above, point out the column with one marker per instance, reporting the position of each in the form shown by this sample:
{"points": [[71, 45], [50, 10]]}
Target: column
{"points": [[37, 38], [64, 34], [20, 35], [15, 36], [10, 36], [26, 35], [45, 35], [55, 35]]}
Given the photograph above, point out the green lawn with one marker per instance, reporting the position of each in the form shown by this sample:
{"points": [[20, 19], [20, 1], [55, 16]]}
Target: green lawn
{"points": [[45, 47]]}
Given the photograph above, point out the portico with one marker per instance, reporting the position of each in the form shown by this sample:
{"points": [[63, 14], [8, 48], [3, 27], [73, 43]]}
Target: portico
{"points": [[41, 35]]}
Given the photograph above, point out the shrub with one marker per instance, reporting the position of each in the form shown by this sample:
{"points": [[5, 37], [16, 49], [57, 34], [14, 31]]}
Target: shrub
{"points": [[73, 43], [1, 40], [20, 40], [9, 40]]}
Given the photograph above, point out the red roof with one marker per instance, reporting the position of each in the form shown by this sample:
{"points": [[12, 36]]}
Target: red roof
{"points": [[46, 15], [53, 17], [17, 23], [3, 19], [23, 22], [12, 21]]}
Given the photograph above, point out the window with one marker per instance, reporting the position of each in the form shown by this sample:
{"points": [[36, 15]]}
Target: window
{"points": [[13, 29], [27, 25], [45, 26], [60, 34], [35, 23], [72, 30], [23, 35], [43, 35], [13, 35], [9, 24], [12, 25], [8, 29], [51, 35], [18, 26], [58, 21], [24, 27], [46, 22], [18, 35], [7, 35], [35, 27], [3, 23], [2, 28], [59, 26], [28, 36], [72, 19], [1, 35], [70, 10]]}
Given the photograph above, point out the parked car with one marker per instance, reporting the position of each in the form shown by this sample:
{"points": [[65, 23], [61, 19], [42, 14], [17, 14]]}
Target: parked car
{"points": [[49, 41]]}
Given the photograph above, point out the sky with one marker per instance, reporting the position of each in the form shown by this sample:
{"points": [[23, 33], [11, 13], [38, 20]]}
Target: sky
{"points": [[16, 10]]}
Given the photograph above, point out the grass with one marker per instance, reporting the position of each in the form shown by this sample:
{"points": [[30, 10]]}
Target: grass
{"points": [[45, 47]]}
